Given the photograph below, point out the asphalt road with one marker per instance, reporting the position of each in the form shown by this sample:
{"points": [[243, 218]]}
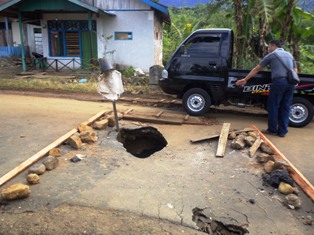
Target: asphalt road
{"points": [[30, 123], [165, 186]]}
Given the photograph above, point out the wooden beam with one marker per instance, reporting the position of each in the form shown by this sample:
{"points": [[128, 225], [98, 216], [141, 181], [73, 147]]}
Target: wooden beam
{"points": [[5, 178], [255, 146], [297, 176], [159, 114], [128, 111], [152, 120], [222, 143], [194, 141]]}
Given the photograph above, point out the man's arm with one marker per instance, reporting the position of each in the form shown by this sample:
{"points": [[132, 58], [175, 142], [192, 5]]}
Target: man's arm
{"points": [[251, 74]]}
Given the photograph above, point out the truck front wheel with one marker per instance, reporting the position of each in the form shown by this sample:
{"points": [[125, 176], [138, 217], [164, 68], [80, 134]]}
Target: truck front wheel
{"points": [[301, 112], [196, 101]]}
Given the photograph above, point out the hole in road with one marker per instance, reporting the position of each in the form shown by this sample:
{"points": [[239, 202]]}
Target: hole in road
{"points": [[141, 142]]}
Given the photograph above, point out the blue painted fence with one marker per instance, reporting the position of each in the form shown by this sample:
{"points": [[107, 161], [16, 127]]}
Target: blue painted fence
{"points": [[10, 51]]}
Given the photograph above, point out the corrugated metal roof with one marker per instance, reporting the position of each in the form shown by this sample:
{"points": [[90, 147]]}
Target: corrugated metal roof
{"points": [[161, 8]]}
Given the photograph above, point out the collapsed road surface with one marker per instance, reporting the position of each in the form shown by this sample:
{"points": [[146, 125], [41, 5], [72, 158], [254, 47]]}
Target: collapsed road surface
{"points": [[167, 185]]}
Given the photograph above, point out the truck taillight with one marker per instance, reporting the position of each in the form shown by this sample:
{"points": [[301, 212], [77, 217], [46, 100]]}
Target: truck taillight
{"points": [[164, 73]]}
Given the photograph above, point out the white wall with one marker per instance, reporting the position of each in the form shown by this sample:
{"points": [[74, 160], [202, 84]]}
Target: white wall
{"points": [[138, 52], [16, 33]]}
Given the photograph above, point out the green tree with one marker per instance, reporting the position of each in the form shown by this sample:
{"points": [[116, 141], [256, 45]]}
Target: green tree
{"points": [[254, 22]]}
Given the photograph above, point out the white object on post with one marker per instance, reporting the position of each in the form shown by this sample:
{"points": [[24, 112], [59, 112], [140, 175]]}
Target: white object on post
{"points": [[110, 87]]}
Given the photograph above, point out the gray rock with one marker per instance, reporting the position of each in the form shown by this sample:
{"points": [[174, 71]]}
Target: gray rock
{"points": [[38, 169], [292, 201], [51, 162], [249, 140], [238, 142], [266, 149]]}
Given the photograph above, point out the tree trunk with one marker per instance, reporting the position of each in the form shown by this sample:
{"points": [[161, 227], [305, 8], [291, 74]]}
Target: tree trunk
{"points": [[287, 22], [239, 39]]}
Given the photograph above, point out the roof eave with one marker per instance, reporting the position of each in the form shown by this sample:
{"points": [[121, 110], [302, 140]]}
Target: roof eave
{"points": [[161, 8], [8, 4]]}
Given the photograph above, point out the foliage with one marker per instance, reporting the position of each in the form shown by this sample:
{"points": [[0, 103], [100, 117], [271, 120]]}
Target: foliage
{"points": [[254, 22], [187, 20], [128, 72], [105, 40], [307, 59]]}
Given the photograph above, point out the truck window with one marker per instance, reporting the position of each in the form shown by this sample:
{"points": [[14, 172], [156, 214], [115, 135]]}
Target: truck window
{"points": [[203, 46]]}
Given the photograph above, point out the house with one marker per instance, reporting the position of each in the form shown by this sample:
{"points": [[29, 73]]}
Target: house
{"points": [[73, 34]]}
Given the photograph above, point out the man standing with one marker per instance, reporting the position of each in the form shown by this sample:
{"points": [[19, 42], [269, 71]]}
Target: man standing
{"points": [[281, 91]]}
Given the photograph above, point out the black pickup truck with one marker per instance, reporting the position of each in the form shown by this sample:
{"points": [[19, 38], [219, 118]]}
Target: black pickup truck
{"points": [[200, 73]]}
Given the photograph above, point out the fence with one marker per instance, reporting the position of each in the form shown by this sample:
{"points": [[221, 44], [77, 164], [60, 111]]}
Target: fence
{"points": [[57, 65], [10, 51]]}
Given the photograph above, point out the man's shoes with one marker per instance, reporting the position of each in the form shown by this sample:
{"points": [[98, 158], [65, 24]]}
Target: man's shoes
{"points": [[269, 132], [272, 133]]}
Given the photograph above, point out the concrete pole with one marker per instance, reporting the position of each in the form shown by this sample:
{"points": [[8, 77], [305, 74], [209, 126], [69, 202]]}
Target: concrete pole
{"points": [[7, 33]]}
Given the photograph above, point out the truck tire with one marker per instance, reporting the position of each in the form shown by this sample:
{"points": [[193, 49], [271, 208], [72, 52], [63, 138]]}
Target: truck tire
{"points": [[196, 101], [301, 112]]}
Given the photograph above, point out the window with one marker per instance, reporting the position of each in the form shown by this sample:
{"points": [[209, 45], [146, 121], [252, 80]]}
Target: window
{"points": [[72, 43], [200, 46], [123, 36], [64, 36], [56, 44]]}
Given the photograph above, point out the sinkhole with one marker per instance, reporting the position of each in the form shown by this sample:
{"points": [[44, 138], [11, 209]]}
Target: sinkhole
{"points": [[141, 142]]}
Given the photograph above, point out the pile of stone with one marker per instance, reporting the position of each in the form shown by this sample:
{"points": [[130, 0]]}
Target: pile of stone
{"points": [[85, 134], [276, 171], [20, 190]]}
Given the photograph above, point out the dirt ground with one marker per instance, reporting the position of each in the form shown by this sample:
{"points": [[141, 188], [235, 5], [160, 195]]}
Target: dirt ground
{"points": [[113, 192]]}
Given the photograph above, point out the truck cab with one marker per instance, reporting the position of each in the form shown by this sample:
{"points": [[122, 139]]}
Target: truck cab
{"points": [[205, 54], [200, 73]]}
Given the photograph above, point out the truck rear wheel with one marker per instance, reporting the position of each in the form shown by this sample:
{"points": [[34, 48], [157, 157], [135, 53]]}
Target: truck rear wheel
{"points": [[196, 101], [301, 112]]}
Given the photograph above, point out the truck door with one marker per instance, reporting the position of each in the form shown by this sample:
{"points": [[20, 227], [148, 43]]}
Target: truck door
{"points": [[198, 56]]}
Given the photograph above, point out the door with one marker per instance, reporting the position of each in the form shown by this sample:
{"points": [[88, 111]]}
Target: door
{"points": [[89, 49]]}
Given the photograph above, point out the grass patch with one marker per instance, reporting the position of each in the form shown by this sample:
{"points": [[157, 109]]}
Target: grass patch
{"points": [[47, 84], [71, 84]]}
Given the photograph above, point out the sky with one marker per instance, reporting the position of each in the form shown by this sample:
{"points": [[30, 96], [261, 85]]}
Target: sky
{"points": [[179, 3]]}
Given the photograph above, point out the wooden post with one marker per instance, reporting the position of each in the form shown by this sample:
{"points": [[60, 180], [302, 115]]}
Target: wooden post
{"points": [[115, 115], [22, 42], [223, 140]]}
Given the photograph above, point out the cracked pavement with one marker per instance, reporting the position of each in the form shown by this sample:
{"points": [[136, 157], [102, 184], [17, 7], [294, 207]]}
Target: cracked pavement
{"points": [[167, 185]]}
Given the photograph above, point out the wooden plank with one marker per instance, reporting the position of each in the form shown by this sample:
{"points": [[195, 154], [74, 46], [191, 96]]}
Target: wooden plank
{"points": [[128, 111], [223, 138], [297, 176], [255, 146], [194, 141], [152, 120], [159, 114], [5, 178]]}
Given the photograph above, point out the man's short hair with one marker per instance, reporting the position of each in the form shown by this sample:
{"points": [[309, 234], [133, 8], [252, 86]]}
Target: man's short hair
{"points": [[277, 43]]}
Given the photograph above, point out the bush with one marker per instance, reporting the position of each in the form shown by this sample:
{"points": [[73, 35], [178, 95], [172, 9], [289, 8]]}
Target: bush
{"points": [[129, 72]]}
